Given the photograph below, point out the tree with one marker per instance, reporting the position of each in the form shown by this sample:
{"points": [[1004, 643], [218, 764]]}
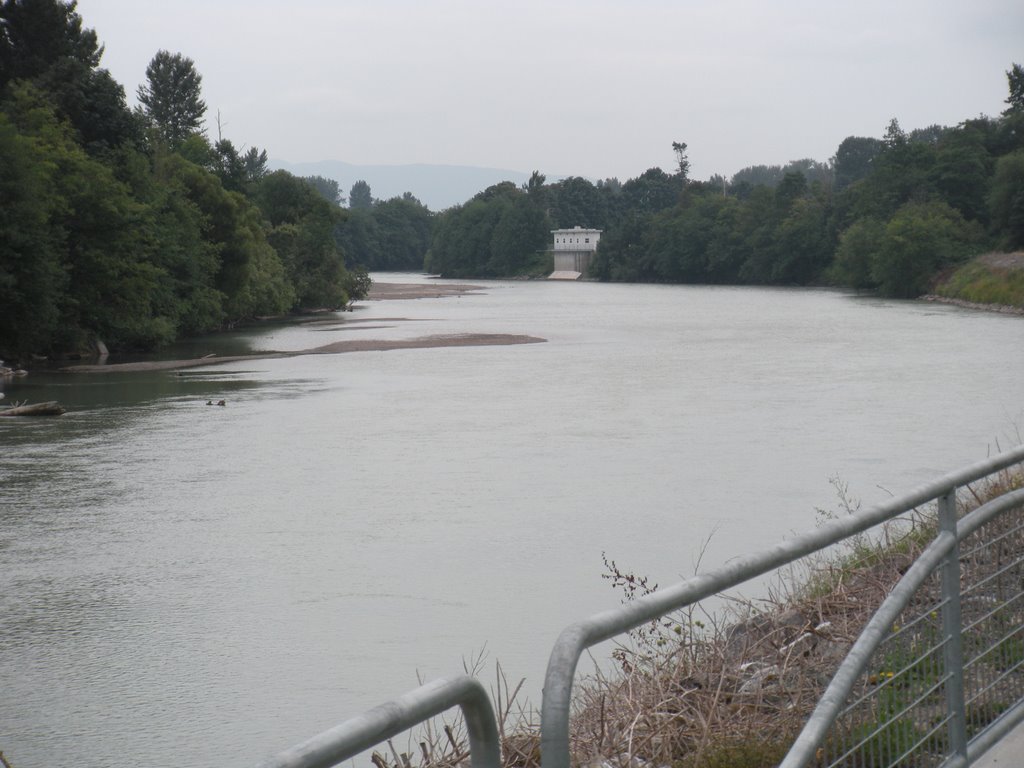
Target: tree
{"points": [[519, 235], [1006, 200], [32, 279], [895, 136], [171, 99], [535, 186], [757, 176], [35, 34], [255, 161], [857, 246], [920, 240], [683, 162], [404, 226], [302, 233], [575, 201], [228, 165], [1015, 99], [360, 197], [327, 187], [962, 172], [43, 42], [651, 191]]}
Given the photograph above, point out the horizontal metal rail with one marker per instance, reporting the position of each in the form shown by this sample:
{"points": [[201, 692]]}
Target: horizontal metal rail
{"points": [[576, 638], [353, 736]]}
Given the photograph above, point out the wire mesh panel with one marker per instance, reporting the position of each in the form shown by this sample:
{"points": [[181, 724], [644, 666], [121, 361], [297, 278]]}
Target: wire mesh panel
{"points": [[992, 606], [926, 690], [897, 712]]}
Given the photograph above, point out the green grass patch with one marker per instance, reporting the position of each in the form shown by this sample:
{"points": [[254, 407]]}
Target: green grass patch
{"points": [[977, 282]]}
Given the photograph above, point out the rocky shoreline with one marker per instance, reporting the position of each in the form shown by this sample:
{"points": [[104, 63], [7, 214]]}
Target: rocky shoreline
{"points": [[1003, 309]]}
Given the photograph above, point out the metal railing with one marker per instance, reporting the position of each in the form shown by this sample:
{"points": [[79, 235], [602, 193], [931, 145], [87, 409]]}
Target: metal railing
{"points": [[939, 664], [973, 721], [360, 733]]}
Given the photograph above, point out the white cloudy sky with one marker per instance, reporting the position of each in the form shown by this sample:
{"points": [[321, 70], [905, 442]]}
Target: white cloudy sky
{"points": [[595, 88]]}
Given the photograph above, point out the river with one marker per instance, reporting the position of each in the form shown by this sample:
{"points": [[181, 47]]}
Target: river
{"points": [[185, 584]]}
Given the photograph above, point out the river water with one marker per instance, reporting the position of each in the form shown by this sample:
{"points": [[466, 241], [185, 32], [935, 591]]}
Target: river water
{"points": [[184, 584]]}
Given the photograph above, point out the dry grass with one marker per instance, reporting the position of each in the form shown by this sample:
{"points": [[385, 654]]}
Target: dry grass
{"points": [[700, 690]]}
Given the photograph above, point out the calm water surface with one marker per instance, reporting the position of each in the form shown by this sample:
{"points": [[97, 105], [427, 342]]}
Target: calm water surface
{"points": [[193, 585]]}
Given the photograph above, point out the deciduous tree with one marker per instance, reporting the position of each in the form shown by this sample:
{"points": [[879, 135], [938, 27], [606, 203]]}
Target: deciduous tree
{"points": [[1015, 81], [171, 97], [359, 197]]}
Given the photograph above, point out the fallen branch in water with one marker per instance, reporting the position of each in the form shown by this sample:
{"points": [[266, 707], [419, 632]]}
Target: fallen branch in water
{"points": [[51, 408]]}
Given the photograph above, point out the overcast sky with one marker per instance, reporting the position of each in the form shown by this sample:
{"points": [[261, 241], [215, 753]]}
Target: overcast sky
{"points": [[592, 88]]}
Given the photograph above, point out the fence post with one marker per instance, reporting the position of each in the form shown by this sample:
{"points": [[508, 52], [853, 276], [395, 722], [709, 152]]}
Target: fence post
{"points": [[951, 628]]}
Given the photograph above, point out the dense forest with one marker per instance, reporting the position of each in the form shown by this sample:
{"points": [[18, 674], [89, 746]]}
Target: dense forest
{"points": [[132, 227], [135, 227], [885, 214]]}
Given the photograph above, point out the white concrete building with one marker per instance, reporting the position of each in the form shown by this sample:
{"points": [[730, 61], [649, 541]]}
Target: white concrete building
{"points": [[573, 249]]}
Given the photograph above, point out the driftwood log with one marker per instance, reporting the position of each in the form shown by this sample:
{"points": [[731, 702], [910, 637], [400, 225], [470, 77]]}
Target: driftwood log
{"points": [[52, 408]]}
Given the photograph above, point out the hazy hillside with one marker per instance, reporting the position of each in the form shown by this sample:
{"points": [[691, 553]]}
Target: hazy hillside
{"points": [[436, 186]]}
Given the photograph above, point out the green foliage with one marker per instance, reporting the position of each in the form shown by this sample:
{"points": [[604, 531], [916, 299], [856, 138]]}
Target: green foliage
{"points": [[358, 283], [326, 187], [575, 201], [962, 171], [1015, 82], [171, 97], [102, 236], [499, 233], [92, 264], [920, 240], [359, 197], [1006, 200], [853, 159], [138, 237], [302, 232], [43, 42], [854, 256], [405, 227], [742, 753], [36, 34], [32, 278], [772, 175], [651, 191]]}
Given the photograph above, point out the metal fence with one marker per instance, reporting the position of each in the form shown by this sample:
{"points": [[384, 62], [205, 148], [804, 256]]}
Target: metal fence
{"points": [[935, 678]]}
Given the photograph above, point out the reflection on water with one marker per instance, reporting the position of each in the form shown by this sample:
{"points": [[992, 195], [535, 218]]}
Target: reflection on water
{"points": [[191, 584]]}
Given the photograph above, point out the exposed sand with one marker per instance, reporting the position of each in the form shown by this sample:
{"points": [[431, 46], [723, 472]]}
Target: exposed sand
{"points": [[379, 292]]}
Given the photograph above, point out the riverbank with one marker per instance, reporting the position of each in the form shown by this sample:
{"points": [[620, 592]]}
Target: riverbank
{"points": [[992, 282]]}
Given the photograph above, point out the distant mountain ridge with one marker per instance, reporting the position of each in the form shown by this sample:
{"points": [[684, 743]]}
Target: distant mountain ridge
{"points": [[436, 186]]}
